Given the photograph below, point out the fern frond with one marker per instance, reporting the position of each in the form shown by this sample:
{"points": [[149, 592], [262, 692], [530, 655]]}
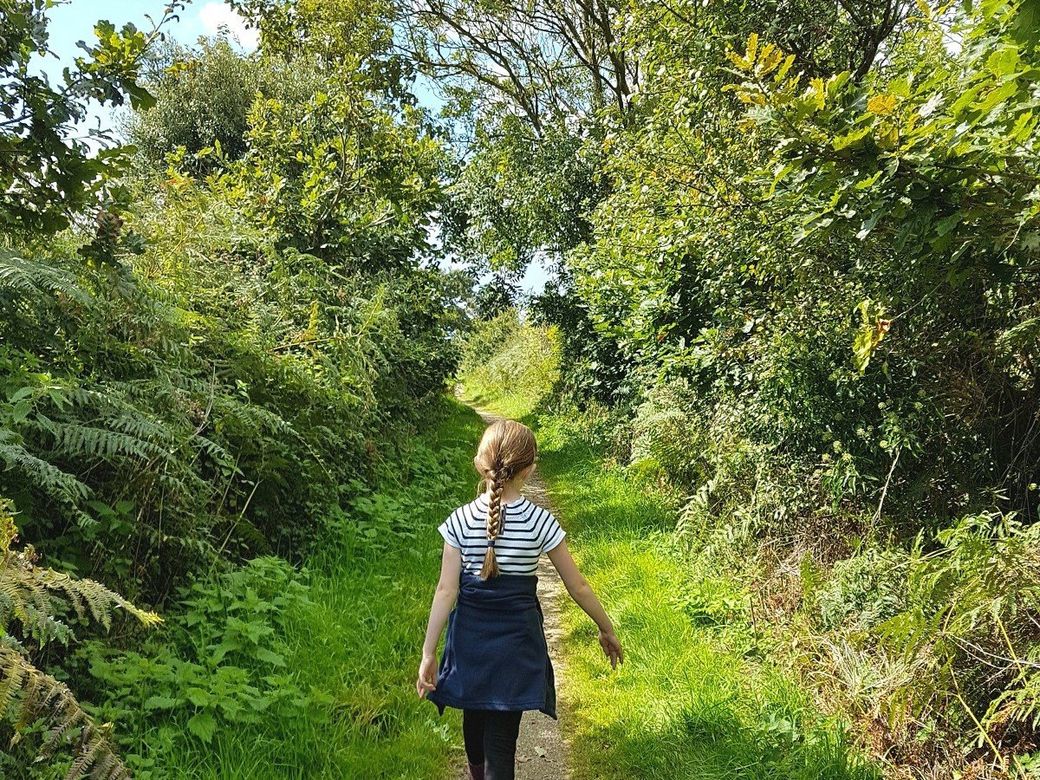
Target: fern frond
{"points": [[27, 596], [108, 767], [99, 600], [125, 407], [27, 694], [36, 278], [40, 473], [78, 439], [30, 596], [142, 428]]}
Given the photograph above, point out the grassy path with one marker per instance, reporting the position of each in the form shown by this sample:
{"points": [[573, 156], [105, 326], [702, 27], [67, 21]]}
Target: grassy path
{"points": [[692, 700]]}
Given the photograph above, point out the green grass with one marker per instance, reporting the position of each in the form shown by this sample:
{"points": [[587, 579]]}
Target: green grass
{"points": [[510, 365], [686, 703], [512, 405], [359, 642]]}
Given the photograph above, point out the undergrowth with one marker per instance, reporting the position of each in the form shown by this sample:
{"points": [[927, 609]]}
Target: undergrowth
{"points": [[275, 672]]}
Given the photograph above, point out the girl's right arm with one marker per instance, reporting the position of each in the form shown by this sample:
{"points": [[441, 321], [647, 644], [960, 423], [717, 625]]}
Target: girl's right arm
{"points": [[580, 590], [443, 601]]}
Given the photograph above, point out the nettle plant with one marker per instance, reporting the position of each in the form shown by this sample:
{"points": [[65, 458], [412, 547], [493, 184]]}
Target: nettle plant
{"points": [[33, 600]]}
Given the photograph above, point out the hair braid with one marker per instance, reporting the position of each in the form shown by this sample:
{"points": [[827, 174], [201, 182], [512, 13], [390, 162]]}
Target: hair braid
{"points": [[506, 449], [496, 478]]}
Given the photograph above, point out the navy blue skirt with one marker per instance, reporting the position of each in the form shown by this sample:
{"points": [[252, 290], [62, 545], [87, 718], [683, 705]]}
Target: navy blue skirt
{"points": [[495, 654]]}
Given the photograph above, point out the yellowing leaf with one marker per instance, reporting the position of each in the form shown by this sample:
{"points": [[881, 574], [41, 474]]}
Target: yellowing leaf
{"points": [[770, 59], [882, 105], [786, 66], [737, 60], [818, 92], [752, 48], [751, 98], [870, 334]]}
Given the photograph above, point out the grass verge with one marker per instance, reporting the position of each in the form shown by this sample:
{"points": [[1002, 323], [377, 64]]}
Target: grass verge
{"points": [[689, 702], [308, 674]]}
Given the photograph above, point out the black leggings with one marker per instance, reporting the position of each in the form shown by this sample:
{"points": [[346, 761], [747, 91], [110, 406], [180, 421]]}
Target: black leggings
{"points": [[490, 738]]}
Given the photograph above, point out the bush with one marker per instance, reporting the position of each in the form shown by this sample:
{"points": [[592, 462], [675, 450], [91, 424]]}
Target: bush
{"points": [[865, 590], [220, 663]]}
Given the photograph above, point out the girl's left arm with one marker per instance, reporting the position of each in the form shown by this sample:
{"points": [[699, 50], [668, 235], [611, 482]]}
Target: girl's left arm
{"points": [[443, 600]]}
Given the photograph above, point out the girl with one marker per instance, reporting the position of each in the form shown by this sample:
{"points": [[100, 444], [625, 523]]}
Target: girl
{"points": [[496, 663]]}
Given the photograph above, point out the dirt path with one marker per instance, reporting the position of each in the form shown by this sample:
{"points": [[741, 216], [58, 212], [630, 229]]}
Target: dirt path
{"points": [[541, 753]]}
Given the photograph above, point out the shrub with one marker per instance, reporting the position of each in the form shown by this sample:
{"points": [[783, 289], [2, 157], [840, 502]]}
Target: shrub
{"points": [[865, 590]]}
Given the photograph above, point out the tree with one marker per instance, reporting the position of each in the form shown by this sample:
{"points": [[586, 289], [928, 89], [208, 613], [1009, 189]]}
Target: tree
{"points": [[202, 101], [547, 61], [355, 37], [47, 175]]}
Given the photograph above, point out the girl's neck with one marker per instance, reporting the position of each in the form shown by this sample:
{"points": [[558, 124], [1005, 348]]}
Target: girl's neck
{"points": [[510, 493]]}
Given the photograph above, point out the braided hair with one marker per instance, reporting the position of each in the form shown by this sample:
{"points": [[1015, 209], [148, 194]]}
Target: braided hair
{"points": [[506, 449]]}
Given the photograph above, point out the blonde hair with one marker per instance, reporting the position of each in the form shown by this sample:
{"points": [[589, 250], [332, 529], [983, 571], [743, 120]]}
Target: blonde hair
{"points": [[506, 448]]}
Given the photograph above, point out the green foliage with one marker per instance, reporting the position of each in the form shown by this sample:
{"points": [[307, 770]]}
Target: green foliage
{"points": [[33, 604], [808, 286], [342, 178], [521, 195], [355, 37], [826, 349], [864, 590], [221, 663], [971, 620], [510, 364], [795, 286], [202, 101], [663, 434], [178, 405]]}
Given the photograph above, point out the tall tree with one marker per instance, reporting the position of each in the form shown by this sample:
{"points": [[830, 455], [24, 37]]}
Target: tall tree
{"points": [[49, 169]]}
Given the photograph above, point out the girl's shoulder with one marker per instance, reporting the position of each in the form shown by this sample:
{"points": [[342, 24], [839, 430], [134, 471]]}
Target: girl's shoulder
{"points": [[522, 507], [471, 510]]}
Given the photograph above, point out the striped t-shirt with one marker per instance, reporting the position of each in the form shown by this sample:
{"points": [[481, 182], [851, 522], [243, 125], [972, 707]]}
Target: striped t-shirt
{"points": [[527, 532]]}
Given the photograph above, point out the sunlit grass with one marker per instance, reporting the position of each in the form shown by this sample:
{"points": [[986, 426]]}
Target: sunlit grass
{"points": [[510, 366], [685, 704], [357, 648], [512, 404]]}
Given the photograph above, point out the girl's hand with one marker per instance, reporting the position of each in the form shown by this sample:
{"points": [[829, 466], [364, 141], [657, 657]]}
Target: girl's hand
{"points": [[427, 680], [611, 648]]}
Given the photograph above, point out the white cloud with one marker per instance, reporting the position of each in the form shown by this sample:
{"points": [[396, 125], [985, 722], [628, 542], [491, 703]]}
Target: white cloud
{"points": [[214, 16]]}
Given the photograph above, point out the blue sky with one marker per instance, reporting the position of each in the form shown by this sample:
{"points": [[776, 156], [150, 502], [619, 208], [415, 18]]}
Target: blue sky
{"points": [[74, 21]]}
